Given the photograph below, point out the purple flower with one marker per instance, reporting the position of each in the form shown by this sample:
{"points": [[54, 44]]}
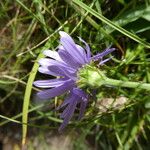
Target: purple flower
{"points": [[65, 64]]}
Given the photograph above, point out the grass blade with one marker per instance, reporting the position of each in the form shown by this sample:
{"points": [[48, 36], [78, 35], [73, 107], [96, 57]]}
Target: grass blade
{"points": [[111, 24], [27, 98], [29, 88]]}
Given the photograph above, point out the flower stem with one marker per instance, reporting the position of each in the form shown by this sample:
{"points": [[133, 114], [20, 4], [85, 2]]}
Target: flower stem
{"points": [[129, 84], [93, 77]]}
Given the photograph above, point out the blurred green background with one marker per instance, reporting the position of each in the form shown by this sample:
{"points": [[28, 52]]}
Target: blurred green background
{"points": [[119, 118]]}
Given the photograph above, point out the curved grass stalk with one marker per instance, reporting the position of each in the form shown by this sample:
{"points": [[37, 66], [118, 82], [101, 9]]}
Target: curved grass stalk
{"points": [[111, 24]]}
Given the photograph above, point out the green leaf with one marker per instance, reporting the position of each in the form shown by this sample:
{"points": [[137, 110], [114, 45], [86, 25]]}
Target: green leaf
{"points": [[134, 26], [132, 15]]}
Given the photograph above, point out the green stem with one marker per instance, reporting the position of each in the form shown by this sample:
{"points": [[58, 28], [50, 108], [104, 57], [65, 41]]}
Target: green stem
{"points": [[128, 84], [94, 77]]}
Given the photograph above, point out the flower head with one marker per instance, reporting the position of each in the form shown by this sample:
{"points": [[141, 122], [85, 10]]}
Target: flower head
{"points": [[65, 64]]}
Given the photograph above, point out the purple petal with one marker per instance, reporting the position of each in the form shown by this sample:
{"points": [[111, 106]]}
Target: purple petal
{"points": [[68, 59], [46, 62], [70, 46], [76, 96], [60, 47], [72, 105], [62, 72], [104, 53], [104, 61], [50, 83], [52, 54], [46, 70], [82, 53], [79, 92], [87, 49], [66, 102], [83, 105], [83, 101], [46, 94], [68, 113]]}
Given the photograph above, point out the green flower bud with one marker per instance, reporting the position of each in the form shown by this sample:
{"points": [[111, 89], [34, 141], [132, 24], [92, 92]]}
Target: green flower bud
{"points": [[91, 76]]}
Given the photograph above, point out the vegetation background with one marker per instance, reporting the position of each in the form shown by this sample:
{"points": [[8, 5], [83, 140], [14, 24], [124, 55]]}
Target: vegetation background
{"points": [[119, 118]]}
